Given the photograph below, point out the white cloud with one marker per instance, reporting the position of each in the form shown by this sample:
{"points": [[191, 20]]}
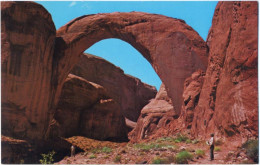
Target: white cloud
{"points": [[72, 4], [86, 6]]}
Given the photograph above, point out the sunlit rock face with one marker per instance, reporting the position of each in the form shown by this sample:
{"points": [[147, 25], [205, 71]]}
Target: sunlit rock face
{"points": [[172, 47], [129, 92], [155, 119], [228, 103], [96, 99]]}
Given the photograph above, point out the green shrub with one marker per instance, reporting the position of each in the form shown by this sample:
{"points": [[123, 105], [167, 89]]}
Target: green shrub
{"points": [[101, 150], [217, 149], [166, 160], [117, 159], [165, 139], [200, 153], [147, 147], [180, 138], [188, 141], [251, 147], [47, 158], [106, 150], [183, 157], [92, 156], [195, 141]]}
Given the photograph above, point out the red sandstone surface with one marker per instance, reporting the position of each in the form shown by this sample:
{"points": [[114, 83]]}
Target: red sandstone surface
{"points": [[129, 92], [35, 64], [228, 102]]}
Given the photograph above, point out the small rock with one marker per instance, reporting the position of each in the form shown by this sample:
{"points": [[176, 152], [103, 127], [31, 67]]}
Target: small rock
{"points": [[245, 159], [182, 148]]}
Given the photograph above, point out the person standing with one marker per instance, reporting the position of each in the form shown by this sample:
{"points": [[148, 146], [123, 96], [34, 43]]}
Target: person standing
{"points": [[211, 144], [72, 151]]}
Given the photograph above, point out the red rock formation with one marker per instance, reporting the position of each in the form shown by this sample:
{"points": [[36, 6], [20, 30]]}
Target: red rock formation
{"points": [[228, 103], [32, 75], [191, 95], [173, 48], [27, 40], [86, 109], [129, 92], [155, 118]]}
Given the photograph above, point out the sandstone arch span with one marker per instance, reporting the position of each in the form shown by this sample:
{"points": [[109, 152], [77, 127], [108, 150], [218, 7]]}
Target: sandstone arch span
{"points": [[36, 58], [173, 48]]}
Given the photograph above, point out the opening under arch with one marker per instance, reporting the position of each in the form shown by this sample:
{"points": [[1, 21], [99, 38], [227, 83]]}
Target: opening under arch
{"points": [[123, 55]]}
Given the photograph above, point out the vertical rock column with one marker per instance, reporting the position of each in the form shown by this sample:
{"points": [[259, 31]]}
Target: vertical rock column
{"points": [[28, 38], [228, 103]]}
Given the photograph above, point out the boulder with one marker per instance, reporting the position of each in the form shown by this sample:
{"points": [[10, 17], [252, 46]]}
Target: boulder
{"points": [[86, 109], [155, 119]]}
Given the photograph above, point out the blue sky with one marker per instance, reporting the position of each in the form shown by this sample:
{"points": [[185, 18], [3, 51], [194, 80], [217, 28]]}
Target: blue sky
{"points": [[197, 14]]}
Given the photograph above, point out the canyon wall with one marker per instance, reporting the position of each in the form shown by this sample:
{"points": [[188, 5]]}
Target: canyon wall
{"points": [[129, 92], [35, 64], [27, 40], [228, 103], [96, 99]]}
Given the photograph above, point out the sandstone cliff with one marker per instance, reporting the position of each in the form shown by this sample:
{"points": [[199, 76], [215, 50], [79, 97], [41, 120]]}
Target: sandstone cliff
{"points": [[27, 40], [99, 110], [228, 102], [129, 92]]}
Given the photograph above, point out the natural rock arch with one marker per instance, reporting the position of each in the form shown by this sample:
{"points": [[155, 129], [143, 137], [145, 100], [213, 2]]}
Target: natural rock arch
{"points": [[172, 47], [35, 61]]}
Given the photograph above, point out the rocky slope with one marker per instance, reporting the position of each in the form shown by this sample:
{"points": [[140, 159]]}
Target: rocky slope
{"points": [[155, 118], [228, 102]]}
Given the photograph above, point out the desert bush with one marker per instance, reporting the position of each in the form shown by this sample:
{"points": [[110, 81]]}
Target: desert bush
{"points": [[165, 160], [106, 150], [92, 156], [149, 146], [117, 159], [200, 153], [183, 157], [102, 150], [165, 139], [195, 141], [188, 141], [251, 147], [47, 158], [181, 138], [217, 149]]}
